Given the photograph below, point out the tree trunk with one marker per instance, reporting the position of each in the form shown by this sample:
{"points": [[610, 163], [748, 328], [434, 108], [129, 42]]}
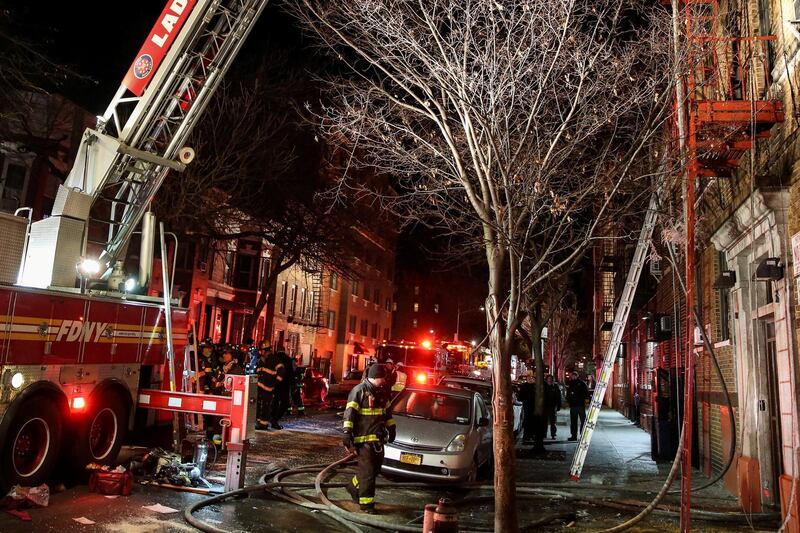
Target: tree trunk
{"points": [[505, 499]]}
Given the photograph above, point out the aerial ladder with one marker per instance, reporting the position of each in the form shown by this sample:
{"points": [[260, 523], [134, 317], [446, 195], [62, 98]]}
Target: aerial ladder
{"points": [[138, 140]]}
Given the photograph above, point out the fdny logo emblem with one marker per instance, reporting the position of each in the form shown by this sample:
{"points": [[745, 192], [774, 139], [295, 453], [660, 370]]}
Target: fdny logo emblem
{"points": [[143, 66], [75, 330]]}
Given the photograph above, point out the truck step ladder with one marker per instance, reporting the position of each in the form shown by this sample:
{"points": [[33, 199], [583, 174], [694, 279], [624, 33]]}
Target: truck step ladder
{"points": [[620, 319]]}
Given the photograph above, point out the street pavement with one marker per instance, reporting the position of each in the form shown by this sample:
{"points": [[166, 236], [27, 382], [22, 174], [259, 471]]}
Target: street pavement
{"points": [[618, 467]]}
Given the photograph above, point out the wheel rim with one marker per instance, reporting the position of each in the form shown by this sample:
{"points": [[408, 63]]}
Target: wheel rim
{"points": [[103, 433], [30, 447]]}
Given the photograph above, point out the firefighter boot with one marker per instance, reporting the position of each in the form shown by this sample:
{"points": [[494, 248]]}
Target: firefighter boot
{"points": [[352, 488]]}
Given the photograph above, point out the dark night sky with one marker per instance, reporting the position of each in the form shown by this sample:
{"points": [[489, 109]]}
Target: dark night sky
{"points": [[100, 38]]}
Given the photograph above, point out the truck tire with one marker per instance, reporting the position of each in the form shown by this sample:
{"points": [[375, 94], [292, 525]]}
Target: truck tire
{"points": [[31, 448], [99, 435]]}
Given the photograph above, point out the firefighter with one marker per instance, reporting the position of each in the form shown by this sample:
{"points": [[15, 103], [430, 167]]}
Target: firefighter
{"points": [[283, 389], [297, 392], [207, 367], [230, 365], [400, 381], [270, 373], [367, 425]]}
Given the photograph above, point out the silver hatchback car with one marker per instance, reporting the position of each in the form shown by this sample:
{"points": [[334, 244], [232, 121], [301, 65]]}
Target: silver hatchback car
{"points": [[443, 434]]}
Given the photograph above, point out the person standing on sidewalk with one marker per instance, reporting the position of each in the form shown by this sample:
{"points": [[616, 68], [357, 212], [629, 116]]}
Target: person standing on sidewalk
{"points": [[367, 426], [577, 394], [552, 403]]}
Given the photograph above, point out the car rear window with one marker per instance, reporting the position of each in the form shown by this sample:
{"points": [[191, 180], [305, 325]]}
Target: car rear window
{"points": [[433, 406], [484, 390]]}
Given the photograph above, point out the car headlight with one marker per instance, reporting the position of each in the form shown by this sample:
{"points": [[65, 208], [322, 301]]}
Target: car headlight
{"points": [[457, 444]]}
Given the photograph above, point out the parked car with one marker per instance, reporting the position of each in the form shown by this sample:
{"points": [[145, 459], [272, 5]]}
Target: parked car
{"points": [[484, 388], [443, 434], [350, 380], [315, 385]]}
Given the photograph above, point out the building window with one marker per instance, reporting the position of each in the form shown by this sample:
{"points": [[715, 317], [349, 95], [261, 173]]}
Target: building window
{"points": [[311, 312], [394, 306], [331, 320], [416, 307], [334, 281], [354, 288], [416, 290], [246, 271], [364, 327], [376, 296], [414, 323], [303, 302], [386, 334], [352, 328], [436, 308], [284, 286], [227, 273], [366, 292], [293, 300], [13, 185], [375, 330], [388, 304]]}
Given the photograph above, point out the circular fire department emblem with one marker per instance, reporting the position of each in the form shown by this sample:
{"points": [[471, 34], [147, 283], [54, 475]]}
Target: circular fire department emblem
{"points": [[143, 66]]}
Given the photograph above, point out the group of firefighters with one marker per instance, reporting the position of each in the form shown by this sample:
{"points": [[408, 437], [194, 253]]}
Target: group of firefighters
{"points": [[280, 381]]}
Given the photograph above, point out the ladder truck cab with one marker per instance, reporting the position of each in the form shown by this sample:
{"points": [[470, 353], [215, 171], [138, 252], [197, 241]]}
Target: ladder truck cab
{"points": [[77, 341]]}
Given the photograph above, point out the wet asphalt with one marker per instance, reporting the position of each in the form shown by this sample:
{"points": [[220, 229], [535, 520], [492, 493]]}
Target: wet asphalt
{"points": [[618, 467]]}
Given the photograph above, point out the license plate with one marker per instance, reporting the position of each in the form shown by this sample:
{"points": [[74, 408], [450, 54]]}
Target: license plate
{"points": [[411, 459]]}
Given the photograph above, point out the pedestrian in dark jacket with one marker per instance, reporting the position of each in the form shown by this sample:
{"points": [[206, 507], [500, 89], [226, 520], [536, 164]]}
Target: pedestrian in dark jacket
{"points": [[552, 403], [577, 394], [527, 395]]}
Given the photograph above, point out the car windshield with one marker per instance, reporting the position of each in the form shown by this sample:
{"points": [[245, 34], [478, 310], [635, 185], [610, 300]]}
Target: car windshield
{"points": [[484, 390], [432, 406]]}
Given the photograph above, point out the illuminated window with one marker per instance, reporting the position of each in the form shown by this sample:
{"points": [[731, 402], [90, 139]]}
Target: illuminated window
{"points": [[414, 323], [416, 290], [435, 308], [416, 307]]}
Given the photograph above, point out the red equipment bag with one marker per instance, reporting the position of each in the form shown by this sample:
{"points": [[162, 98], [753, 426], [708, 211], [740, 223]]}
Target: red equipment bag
{"points": [[111, 483]]}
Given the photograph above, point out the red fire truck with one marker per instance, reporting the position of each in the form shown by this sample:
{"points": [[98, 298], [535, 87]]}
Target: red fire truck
{"points": [[77, 343]]}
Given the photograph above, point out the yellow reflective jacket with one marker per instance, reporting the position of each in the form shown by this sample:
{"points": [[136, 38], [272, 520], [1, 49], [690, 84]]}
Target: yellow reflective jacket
{"points": [[367, 414]]}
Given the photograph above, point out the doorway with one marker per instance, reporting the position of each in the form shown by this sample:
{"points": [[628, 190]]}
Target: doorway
{"points": [[773, 402]]}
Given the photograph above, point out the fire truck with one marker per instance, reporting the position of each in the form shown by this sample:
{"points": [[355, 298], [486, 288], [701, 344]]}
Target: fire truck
{"points": [[78, 344]]}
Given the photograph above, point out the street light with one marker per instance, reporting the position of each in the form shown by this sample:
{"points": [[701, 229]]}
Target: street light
{"points": [[458, 319]]}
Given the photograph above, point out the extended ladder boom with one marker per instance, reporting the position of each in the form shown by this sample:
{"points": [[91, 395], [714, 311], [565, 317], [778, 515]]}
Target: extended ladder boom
{"points": [[121, 164], [620, 319]]}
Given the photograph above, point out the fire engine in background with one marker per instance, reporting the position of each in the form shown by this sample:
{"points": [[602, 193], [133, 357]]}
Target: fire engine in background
{"points": [[427, 361], [79, 338]]}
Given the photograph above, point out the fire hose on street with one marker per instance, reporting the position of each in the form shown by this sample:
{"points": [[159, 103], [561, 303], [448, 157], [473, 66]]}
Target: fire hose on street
{"points": [[281, 488]]}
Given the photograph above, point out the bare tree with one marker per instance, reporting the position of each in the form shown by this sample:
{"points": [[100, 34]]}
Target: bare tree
{"points": [[509, 125], [561, 329], [257, 176]]}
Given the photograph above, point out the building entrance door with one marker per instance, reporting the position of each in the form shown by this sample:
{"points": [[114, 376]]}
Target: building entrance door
{"points": [[773, 405]]}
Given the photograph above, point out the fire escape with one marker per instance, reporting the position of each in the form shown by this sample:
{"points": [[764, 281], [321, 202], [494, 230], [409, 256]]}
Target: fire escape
{"points": [[727, 108]]}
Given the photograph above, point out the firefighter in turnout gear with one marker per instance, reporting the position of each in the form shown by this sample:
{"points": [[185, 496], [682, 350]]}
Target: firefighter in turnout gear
{"points": [[367, 425], [270, 373]]}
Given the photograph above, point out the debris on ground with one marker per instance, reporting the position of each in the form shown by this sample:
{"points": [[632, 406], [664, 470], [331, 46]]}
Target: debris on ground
{"points": [[166, 468], [158, 508], [20, 498]]}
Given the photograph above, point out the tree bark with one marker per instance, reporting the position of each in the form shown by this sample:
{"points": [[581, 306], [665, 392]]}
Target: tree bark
{"points": [[505, 512]]}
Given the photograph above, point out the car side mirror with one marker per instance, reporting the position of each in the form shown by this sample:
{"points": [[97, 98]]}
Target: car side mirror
{"points": [[483, 422]]}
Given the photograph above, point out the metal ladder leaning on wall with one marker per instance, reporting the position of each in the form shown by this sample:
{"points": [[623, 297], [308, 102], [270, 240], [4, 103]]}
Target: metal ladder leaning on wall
{"points": [[620, 319]]}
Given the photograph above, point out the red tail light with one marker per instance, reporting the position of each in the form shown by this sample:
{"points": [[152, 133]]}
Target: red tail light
{"points": [[78, 403]]}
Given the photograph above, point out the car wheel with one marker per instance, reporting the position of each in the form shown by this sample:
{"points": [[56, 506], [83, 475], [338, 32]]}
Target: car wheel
{"points": [[98, 437], [32, 444]]}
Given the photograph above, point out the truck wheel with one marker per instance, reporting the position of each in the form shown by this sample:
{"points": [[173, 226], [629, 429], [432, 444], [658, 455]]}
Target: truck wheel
{"points": [[32, 445], [98, 437]]}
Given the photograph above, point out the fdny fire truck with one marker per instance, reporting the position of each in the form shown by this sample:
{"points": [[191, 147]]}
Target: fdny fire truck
{"points": [[78, 345]]}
